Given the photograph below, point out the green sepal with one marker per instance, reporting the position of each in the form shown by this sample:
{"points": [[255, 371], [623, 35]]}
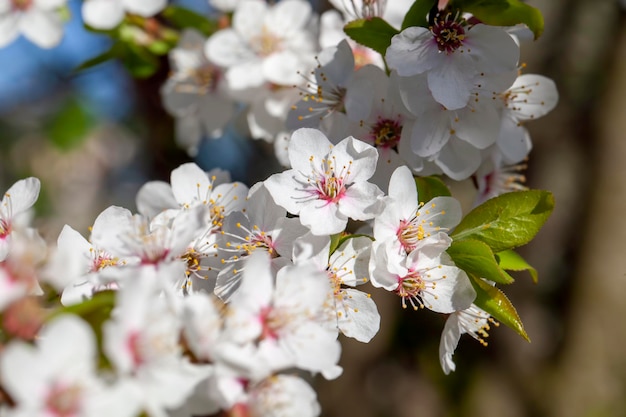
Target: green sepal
{"points": [[475, 257], [496, 303], [159, 47], [430, 187], [183, 18], [512, 261], [374, 33], [418, 14], [334, 242], [504, 13], [507, 221]]}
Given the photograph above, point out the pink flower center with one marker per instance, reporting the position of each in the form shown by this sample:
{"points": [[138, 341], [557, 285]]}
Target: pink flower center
{"points": [[270, 323], [410, 288], [448, 33], [331, 189], [5, 228], [386, 133], [63, 401], [409, 233]]}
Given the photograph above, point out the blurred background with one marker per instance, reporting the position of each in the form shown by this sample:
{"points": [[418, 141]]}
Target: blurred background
{"points": [[95, 137]]}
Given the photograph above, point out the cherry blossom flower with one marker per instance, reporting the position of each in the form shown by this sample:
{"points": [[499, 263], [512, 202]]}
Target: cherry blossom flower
{"points": [[57, 378], [453, 56], [285, 320], [17, 200], [473, 321], [264, 227], [265, 44], [195, 93], [404, 222], [20, 272], [38, 20], [142, 342], [326, 94], [353, 312], [327, 184], [427, 277], [530, 97]]}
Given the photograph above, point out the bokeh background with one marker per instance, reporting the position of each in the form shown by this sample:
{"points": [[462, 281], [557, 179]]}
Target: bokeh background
{"points": [[95, 137]]}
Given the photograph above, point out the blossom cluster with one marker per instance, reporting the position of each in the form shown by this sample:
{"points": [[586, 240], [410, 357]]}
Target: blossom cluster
{"points": [[216, 296]]}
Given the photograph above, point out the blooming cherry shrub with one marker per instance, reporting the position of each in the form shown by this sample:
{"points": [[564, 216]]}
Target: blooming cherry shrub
{"points": [[217, 297]]}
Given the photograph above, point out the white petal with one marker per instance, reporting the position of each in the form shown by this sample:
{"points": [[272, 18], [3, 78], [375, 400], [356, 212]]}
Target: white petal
{"points": [[287, 17], [447, 345], [323, 218], [452, 82], [43, 28], [359, 317], [360, 201], [459, 160], [190, 184], [145, 8], [412, 52], [9, 28], [533, 96], [22, 195], [103, 14], [226, 48], [154, 197], [493, 49]]}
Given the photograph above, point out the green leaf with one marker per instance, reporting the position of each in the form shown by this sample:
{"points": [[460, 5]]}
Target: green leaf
{"points": [[430, 187], [183, 18], [115, 51], [374, 33], [494, 302], [507, 221], [418, 14], [475, 257], [504, 13], [512, 261]]}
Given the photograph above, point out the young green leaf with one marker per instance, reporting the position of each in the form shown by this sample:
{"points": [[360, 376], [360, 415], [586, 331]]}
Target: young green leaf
{"points": [[430, 187], [504, 13], [374, 33], [494, 302], [340, 238], [183, 18], [418, 14], [475, 257], [115, 51], [507, 221], [512, 261]]}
